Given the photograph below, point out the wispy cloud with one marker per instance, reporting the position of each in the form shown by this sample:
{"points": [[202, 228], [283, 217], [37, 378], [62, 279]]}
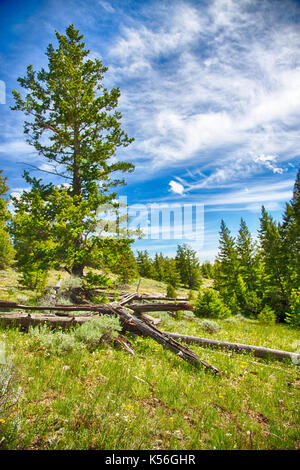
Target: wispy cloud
{"points": [[220, 78], [107, 6]]}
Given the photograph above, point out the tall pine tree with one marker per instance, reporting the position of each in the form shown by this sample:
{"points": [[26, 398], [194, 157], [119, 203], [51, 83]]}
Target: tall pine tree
{"points": [[273, 259], [73, 123], [226, 267], [188, 266], [6, 249]]}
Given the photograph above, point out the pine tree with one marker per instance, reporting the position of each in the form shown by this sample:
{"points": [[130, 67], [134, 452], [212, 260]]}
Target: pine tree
{"points": [[6, 249], [289, 232], [171, 274], [145, 264], [159, 265], [188, 266], [75, 126], [226, 267], [207, 269], [246, 253], [273, 258]]}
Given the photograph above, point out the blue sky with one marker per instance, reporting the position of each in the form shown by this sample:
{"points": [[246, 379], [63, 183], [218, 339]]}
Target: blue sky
{"points": [[210, 91]]}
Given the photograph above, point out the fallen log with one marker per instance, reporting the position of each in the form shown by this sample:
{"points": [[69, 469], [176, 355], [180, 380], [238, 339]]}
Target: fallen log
{"points": [[162, 338], [174, 299], [129, 321], [25, 320], [238, 347], [175, 306], [159, 307]]}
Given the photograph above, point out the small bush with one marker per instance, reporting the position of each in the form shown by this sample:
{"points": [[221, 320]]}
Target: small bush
{"points": [[191, 295], [6, 249], [267, 316], [91, 280], [92, 331], [71, 282], [171, 292], [231, 320], [34, 279], [55, 342], [293, 316], [240, 317], [210, 304], [100, 299], [210, 326], [9, 392]]}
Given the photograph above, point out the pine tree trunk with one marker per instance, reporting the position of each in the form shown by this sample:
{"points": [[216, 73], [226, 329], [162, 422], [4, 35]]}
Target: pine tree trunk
{"points": [[77, 270]]}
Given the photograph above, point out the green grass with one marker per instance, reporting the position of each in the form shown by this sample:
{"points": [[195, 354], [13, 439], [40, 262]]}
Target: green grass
{"points": [[111, 400], [108, 399]]}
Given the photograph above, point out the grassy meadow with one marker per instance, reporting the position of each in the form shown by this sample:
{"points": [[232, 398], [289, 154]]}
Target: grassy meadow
{"points": [[108, 399]]}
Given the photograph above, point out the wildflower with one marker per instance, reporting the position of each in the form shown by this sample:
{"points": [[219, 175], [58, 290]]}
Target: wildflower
{"points": [[221, 396], [2, 421]]}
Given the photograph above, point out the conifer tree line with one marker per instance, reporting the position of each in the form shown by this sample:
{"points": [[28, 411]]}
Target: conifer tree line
{"points": [[254, 278], [263, 276]]}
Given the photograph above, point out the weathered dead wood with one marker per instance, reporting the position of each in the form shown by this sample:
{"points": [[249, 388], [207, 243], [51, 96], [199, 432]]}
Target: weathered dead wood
{"points": [[101, 308], [128, 298], [174, 299], [124, 343], [162, 338], [25, 320], [238, 347], [160, 307]]}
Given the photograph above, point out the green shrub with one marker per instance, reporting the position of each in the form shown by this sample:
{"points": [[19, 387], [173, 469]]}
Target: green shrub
{"points": [[9, 392], [171, 292], [70, 283], [267, 316], [92, 331], [55, 342], [191, 295], [231, 320], [92, 280], [210, 304], [6, 249], [210, 326], [293, 316], [100, 299], [34, 279]]}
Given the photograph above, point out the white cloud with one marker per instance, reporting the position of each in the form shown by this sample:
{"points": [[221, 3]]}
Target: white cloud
{"points": [[176, 187], [15, 147], [268, 161]]}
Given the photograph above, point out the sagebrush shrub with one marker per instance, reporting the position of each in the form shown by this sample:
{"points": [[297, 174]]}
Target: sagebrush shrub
{"points": [[9, 392], [92, 331], [210, 326], [55, 342]]}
